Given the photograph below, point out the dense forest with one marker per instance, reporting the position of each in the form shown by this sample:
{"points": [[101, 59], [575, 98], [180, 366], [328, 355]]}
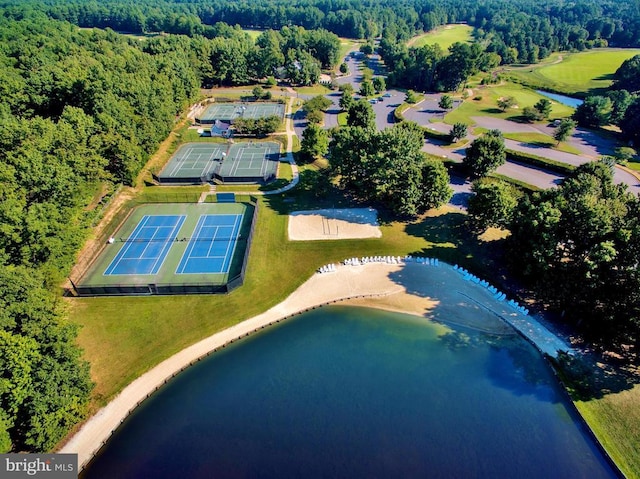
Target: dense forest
{"points": [[77, 109], [517, 30]]}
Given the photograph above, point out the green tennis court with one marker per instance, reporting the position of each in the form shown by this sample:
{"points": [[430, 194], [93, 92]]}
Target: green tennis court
{"points": [[193, 163], [249, 162], [228, 112], [172, 248]]}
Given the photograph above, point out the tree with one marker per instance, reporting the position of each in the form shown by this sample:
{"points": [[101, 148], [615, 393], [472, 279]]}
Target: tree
{"points": [[594, 112], [564, 130], [361, 114], [543, 106], [366, 48], [630, 123], [379, 84], [315, 142], [445, 102], [485, 154], [315, 117], [492, 204], [257, 92], [627, 77], [317, 103], [411, 97], [344, 68], [577, 243], [620, 101], [366, 89], [346, 100], [530, 114], [504, 103], [458, 131], [435, 189]]}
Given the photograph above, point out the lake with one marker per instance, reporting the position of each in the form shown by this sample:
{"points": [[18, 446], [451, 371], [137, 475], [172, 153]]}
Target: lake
{"points": [[565, 100], [354, 392]]}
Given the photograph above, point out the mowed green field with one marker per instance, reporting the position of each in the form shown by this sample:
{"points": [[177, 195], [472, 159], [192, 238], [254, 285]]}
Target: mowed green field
{"points": [[580, 73], [484, 102], [254, 34], [444, 36]]}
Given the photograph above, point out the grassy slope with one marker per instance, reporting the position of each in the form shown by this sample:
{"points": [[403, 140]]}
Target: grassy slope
{"points": [[578, 73], [615, 419], [445, 36], [487, 105], [125, 336]]}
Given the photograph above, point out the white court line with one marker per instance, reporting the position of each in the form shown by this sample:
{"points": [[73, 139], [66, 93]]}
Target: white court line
{"points": [[141, 225], [167, 244], [187, 254], [180, 161], [235, 240]]}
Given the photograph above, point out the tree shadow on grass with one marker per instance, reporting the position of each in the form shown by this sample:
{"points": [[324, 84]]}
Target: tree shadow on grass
{"points": [[451, 240], [492, 111]]}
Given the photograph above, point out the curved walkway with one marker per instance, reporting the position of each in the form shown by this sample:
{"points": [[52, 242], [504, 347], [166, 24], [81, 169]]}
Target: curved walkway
{"points": [[428, 291]]}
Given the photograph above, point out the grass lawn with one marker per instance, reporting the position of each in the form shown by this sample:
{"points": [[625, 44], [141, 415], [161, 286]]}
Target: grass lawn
{"points": [[582, 73], [540, 139], [346, 45], [125, 336], [254, 34], [313, 90], [445, 36], [615, 419], [487, 104]]}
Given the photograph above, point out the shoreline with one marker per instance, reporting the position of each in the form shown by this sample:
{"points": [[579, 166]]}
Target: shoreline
{"points": [[432, 292]]}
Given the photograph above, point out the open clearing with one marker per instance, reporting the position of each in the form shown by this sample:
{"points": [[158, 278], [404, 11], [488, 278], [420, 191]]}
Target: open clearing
{"points": [[580, 73], [444, 36], [334, 224], [484, 102]]}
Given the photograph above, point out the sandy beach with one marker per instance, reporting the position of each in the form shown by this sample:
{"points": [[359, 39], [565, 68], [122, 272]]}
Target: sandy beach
{"points": [[435, 293]]}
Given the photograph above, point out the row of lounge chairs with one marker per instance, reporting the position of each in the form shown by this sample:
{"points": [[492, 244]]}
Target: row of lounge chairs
{"points": [[390, 260], [327, 268], [499, 295]]}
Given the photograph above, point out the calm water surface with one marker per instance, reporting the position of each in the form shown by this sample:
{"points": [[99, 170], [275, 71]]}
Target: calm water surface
{"points": [[355, 393], [565, 100]]}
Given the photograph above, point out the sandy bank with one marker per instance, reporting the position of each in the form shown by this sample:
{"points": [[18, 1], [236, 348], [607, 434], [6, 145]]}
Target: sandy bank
{"points": [[438, 293]]}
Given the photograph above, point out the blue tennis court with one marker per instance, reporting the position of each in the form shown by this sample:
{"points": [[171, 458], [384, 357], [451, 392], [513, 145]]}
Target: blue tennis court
{"points": [[147, 247], [211, 247]]}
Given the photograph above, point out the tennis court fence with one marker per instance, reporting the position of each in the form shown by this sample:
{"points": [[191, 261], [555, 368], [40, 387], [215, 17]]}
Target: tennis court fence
{"points": [[175, 287]]}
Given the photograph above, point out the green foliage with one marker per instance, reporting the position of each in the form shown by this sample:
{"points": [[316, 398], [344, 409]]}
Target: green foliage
{"points": [[346, 100], [317, 103], [595, 111], [379, 85], [579, 244], [543, 106], [257, 126], [506, 102], [367, 89], [630, 123], [564, 129], [388, 167], [257, 92], [485, 154], [492, 204], [620, 101], [458, 131], [627, 77], [366, 48], [445, 102], [344, 69], [44, 385], [531, 114], [361, 114], [315, 142], [435, 185], [410, 97]]}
